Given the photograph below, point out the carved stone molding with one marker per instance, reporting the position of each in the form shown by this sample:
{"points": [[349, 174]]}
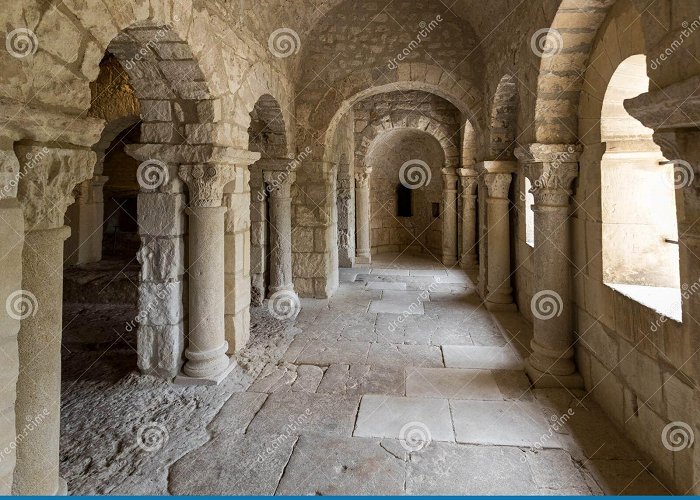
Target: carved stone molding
{"points": [[549, 153], [674, 107], [46, 180], [192, 154], [206, 183]]}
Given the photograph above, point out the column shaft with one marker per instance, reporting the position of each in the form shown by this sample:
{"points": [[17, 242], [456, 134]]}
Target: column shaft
{"points": [[206, 353], [499, 295], [362, 213], [468, 259], [449, 218], [37, 412], [280, 206]]}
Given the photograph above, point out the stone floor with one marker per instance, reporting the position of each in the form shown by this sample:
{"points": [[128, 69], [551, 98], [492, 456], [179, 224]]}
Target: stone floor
{"points": [[400, 383]]}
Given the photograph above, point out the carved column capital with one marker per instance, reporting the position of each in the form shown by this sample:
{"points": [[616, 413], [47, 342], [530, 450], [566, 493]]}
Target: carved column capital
{"points": [[46, 180], [549, 153], [469, 179], [206, 183], [498, 184], [552, 184], [279, 183], [362, 178]]}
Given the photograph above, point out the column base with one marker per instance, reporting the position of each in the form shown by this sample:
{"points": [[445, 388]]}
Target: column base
{"points": [[469, 263], [363, 259], [186, 380], [271, 290], [542, 380], [498, 307], [449, 261]]}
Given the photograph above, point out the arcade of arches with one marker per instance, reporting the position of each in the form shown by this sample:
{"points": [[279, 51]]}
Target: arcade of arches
{"points": [[349, 247]]}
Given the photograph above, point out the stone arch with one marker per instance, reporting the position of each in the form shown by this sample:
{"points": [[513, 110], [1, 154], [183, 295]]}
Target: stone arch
{"points": [[504, 119], [470, 145], [267, 129], [327, 114], [560, 78], [397, 121]]}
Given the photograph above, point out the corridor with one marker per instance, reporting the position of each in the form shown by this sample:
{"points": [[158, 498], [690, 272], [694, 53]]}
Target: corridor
{"points": [[400, 383]]}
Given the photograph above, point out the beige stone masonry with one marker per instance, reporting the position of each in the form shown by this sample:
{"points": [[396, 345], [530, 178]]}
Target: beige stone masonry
{"points": [[449, 217], [362, 214], [468, 179]]}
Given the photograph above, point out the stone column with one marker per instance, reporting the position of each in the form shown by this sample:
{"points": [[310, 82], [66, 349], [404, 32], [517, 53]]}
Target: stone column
{"points": [[346, 219], [279, 185], [551, 170], [86, 220], [497, 177], [468, 179], [258, 236], [207, 361], [11, 247], [449, 217], [45, 191], [362, 214]]}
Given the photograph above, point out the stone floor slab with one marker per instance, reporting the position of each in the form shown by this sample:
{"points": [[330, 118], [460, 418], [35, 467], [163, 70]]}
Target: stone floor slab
{"points": [[488, 358], [507, 423], [249, 465], [385, 285], [236, 414], [326, 465], [363, 379], [453, 469], [404, 418], [452, 383], [334, 352], [324, 413], [404, 355]]}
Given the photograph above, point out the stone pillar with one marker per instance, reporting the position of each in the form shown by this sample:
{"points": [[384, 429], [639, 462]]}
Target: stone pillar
{"points": [[449, 217], [45, 191], [362, 214], [497, 177], [279, 185], [207, 361], [11, 247], [551, 170], [259, 256], [468, 179], [346, 219], [86, 219], [482, 280]]}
